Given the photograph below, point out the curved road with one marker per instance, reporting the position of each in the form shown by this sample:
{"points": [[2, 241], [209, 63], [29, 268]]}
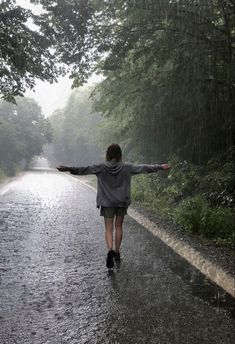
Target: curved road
{"points": [[55, 288]]}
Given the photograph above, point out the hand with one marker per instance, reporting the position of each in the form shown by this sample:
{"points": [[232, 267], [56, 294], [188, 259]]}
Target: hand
{"points": [[62, 168], [166, 167]]}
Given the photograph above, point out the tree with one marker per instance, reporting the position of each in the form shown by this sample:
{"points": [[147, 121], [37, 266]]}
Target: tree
{"points": [[169, 77], [169, 67], [55, 44], [75, 131], [23, 133]]}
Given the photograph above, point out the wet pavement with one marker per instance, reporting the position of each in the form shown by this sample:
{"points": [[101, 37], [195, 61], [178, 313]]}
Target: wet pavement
{"points": [[55, 288]]}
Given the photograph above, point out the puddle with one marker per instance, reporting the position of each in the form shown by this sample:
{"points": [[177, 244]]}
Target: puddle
{"points": [[203, 287]]}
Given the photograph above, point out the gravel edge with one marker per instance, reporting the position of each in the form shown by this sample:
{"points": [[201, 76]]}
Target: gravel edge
{"points": [[220, 255]]}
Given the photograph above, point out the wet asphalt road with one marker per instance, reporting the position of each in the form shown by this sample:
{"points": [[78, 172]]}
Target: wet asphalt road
{"points": [[55, 288]]}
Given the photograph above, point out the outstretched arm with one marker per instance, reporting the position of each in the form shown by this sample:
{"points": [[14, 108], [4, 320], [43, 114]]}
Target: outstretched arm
{"points": [[93, 169], [137, 169]]}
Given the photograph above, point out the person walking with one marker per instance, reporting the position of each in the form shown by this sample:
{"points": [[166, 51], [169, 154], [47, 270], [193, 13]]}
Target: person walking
{"points": [[113, 193]]}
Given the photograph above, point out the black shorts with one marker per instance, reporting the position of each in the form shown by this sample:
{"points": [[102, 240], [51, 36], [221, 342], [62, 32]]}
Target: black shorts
{"points": [[110, 212]]}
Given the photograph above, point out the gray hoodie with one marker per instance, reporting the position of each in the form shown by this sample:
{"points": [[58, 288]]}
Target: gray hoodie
{"points": [[114, 180]]}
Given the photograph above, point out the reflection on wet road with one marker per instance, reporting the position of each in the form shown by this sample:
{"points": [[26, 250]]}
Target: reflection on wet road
{"points": [[55, 288]]}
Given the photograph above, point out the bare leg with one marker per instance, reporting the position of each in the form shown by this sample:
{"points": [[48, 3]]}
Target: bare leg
{"points": [[109, 233], [118, 232]]}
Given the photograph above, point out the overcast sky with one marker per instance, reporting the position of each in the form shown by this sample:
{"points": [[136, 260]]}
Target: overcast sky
{"points": [[51, 96]]}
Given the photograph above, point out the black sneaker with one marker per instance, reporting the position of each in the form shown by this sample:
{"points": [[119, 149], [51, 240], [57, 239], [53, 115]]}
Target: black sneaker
{"points": [[117, 257], [109, 260]]}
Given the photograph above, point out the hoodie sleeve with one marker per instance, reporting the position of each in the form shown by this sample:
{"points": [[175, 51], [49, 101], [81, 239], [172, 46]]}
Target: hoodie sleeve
{"points": [[137, 169], [93, 169]]}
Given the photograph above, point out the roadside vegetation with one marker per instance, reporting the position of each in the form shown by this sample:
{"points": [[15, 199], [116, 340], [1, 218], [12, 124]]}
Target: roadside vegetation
{"points": [[198, 199]]}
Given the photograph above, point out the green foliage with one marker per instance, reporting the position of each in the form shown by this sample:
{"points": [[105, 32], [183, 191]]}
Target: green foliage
{"points": [[25, 53], [219, 180], [195, 215], [192, 214], [192, 198], [168, 67], [154, 192], [43, 45], [23, 132], [215, 180], [166, 85], [186, 176], [75, 131]]}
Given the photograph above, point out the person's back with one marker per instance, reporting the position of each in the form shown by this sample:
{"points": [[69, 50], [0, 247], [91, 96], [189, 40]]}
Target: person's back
{"points": [[113, 192], [113, 185]]}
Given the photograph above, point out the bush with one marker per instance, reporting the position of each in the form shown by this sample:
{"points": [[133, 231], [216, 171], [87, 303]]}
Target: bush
{"points": [[199, 199], [196, 216], [151, 191], [217, 184], [188, 214]]}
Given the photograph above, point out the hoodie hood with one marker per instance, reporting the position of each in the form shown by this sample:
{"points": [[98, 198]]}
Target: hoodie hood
{"points": [[113, 167]]}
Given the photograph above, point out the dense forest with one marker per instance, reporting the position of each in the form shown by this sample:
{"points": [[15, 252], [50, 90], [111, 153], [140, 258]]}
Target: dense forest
{"points": [[168, 94]]}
